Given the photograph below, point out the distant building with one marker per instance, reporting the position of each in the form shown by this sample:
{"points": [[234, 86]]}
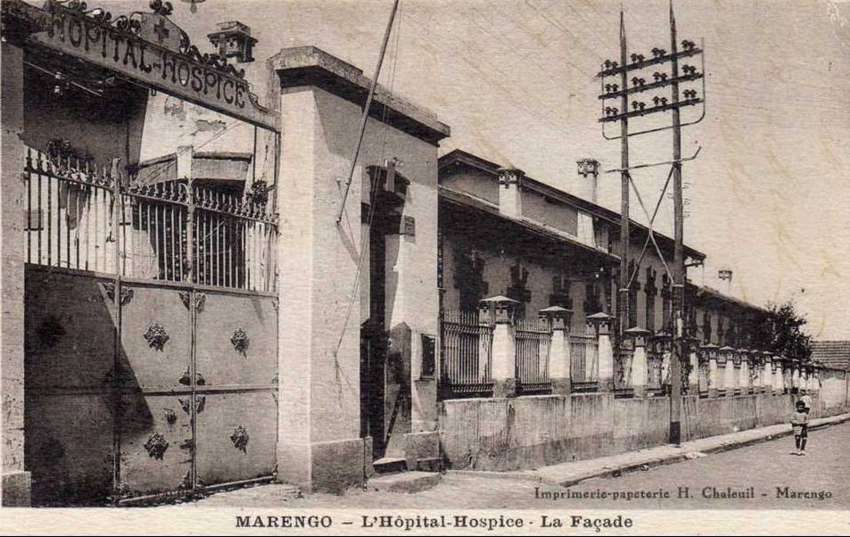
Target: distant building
{"points": [[833, 354]]}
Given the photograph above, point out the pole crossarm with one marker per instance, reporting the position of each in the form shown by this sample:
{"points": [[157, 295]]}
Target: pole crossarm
{"points": [[650, 62], [654, 164], [650, 86], [654, 110]]}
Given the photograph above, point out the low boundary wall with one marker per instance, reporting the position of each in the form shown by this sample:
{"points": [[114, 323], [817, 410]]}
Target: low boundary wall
{"points": [[526, 432]]}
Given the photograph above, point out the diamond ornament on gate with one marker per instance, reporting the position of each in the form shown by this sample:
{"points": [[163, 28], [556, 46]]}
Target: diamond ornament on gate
{"points": [[240, 438]]}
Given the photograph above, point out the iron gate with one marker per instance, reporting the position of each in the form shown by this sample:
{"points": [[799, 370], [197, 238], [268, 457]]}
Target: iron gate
{"points": [[151, 338]]}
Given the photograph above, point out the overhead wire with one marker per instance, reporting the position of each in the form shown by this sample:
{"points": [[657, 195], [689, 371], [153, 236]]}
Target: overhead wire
{"points": [[373, 187]]}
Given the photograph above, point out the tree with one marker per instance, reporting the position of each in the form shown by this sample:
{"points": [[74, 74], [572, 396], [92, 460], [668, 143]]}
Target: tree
{"points": [[781, 332]]}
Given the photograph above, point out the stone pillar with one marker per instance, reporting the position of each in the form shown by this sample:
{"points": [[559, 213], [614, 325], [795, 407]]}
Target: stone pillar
{"points": [[503, 364], [693, 358], [601, 323], [795, 377], [778, 380], [766, 384], [726, 357], [16, 479], [320, 445], [744, 379], [663, 342], [709, 356], [560, 360], [640, 371]]}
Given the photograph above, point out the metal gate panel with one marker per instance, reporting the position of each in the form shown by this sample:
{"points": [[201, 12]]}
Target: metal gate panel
{"points": [[236, 342], [68, 412], [69, 323], [155, 339], [236, 434], [155, 435], [69, 447], [236, 356], [156, 444]]}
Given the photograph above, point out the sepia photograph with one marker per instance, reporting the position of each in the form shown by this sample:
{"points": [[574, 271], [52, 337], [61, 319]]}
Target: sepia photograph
{"points": [[372, 267]]}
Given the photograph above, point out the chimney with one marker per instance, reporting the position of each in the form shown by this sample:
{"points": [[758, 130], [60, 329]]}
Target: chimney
{"points": [[233, 40], [510, 192], [589, 166], [726, 274]]}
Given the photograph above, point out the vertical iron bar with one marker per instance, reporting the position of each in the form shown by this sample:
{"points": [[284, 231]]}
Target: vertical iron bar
{"points": [[40, 202], [28, 178], [49, 219], [116, 367]]}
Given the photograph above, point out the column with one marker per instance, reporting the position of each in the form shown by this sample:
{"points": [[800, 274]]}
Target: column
{"points": [[693, 375], [640, 372], [320, 445], [559, 348], [766, 372], [503, 365], [601, 323], [778, 381], [710, 355], [16, 480], [664, 344], [795, 377], [726, 358], [744, 380]]}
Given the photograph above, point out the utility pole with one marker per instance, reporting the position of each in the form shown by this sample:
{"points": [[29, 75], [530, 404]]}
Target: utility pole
{"points": [[623, 298], [680, 351], [636, 65]]}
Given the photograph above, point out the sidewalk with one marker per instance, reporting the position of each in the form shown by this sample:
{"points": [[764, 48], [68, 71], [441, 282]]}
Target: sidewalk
{"points": [[570, 473]]}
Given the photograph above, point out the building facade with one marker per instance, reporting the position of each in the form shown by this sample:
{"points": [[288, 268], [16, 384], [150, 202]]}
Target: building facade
{"points": [[189, 309]]}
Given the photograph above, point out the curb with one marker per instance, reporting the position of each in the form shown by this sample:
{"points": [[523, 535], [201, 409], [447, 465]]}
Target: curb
{"points": [[615, 472], [681, 456]]}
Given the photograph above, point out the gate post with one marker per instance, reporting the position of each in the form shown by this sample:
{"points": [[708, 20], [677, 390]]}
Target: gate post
{"points": [[503, 364], [16, 480], [640, 370], [605, 355], [319, 443], [560, 360]]}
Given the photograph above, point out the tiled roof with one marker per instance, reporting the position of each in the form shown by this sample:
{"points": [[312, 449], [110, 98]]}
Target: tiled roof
{"points": [[832, 353]]}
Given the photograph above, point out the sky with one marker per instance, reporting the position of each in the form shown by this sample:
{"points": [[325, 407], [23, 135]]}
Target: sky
{"points": [[769, 195]]}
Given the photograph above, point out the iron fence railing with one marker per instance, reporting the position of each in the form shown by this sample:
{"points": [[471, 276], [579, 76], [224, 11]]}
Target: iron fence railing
{"points": [[466, 354], [532, 341], [623, 370], [654, 361], [81, 216], [584, 363]]}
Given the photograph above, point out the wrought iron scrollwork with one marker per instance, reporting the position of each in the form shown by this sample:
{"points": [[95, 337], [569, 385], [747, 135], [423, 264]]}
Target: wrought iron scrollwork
{"points": [[109, 292]]}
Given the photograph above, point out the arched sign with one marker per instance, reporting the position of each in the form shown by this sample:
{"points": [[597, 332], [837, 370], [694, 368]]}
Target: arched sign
{"points": [[150, 49]]}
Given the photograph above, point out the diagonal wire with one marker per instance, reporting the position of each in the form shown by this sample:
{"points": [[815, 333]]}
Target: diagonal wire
{"points": [[651, 222], [651, 233]]}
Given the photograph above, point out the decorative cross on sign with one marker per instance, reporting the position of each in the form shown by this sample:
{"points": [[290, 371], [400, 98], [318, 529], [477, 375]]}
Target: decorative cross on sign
{"points": [[161, 31]]}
